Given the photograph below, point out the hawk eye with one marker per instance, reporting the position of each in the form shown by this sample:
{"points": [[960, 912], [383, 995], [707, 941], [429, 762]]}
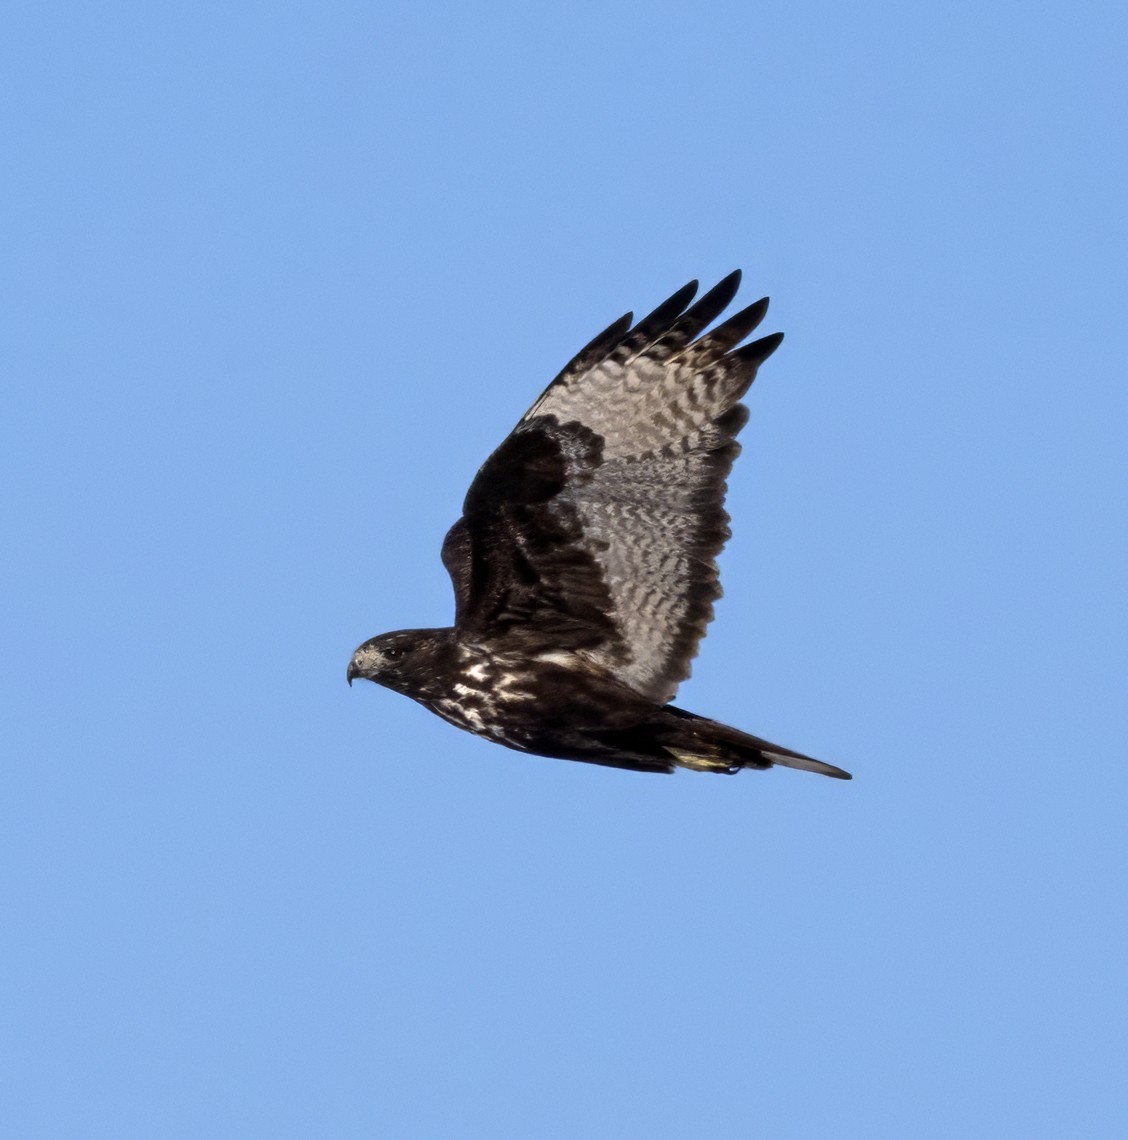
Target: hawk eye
{"points": [[393, 651]]}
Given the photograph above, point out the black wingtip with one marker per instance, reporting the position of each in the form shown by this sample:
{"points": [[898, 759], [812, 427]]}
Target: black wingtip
{"points": [[759, 308], [707, 307], [722, 293], [728, 335], [759, 350], [602, 344], [666, 313]]}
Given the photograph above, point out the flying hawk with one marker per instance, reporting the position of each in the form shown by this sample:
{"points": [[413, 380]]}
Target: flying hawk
{"points": [[584, 562]]}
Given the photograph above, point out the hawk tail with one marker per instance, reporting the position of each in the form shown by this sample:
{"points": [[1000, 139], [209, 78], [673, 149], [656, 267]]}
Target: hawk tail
{"points": [[709, 746]]}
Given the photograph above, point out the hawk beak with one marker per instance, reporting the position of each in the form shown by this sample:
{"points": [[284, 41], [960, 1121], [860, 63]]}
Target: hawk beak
{"points": [[351, 672]]}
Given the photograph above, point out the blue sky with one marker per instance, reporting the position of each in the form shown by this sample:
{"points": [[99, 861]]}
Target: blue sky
{"points": [[276, 279]]}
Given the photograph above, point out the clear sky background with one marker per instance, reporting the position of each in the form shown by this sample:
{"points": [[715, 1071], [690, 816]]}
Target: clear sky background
{"points": [[276, 279]]}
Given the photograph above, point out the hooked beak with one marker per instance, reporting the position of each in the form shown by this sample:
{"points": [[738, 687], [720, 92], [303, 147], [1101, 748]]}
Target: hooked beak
{"points": [[351, 672]]}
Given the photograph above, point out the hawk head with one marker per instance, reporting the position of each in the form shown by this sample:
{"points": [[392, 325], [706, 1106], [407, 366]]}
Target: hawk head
{"points": [[404, 660]]}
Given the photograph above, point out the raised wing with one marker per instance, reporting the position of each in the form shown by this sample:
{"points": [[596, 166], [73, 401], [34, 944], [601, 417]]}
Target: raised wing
{"points": [[595, 526]]}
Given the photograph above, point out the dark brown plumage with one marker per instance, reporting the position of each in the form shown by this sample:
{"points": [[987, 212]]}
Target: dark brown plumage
{"points": [[584, 564]]}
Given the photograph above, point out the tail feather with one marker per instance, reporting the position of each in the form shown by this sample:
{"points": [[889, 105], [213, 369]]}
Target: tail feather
{"points": [[707, 745]]}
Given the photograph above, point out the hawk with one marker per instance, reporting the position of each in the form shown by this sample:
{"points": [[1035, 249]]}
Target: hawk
{"points": [[584, 563]]}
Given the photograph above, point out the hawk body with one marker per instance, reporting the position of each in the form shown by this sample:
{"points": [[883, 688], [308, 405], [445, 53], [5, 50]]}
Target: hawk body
{"points": [[583, 565]]}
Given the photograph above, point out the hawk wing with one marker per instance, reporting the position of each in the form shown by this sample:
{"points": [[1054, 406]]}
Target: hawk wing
{"points": [[595, 526]]}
